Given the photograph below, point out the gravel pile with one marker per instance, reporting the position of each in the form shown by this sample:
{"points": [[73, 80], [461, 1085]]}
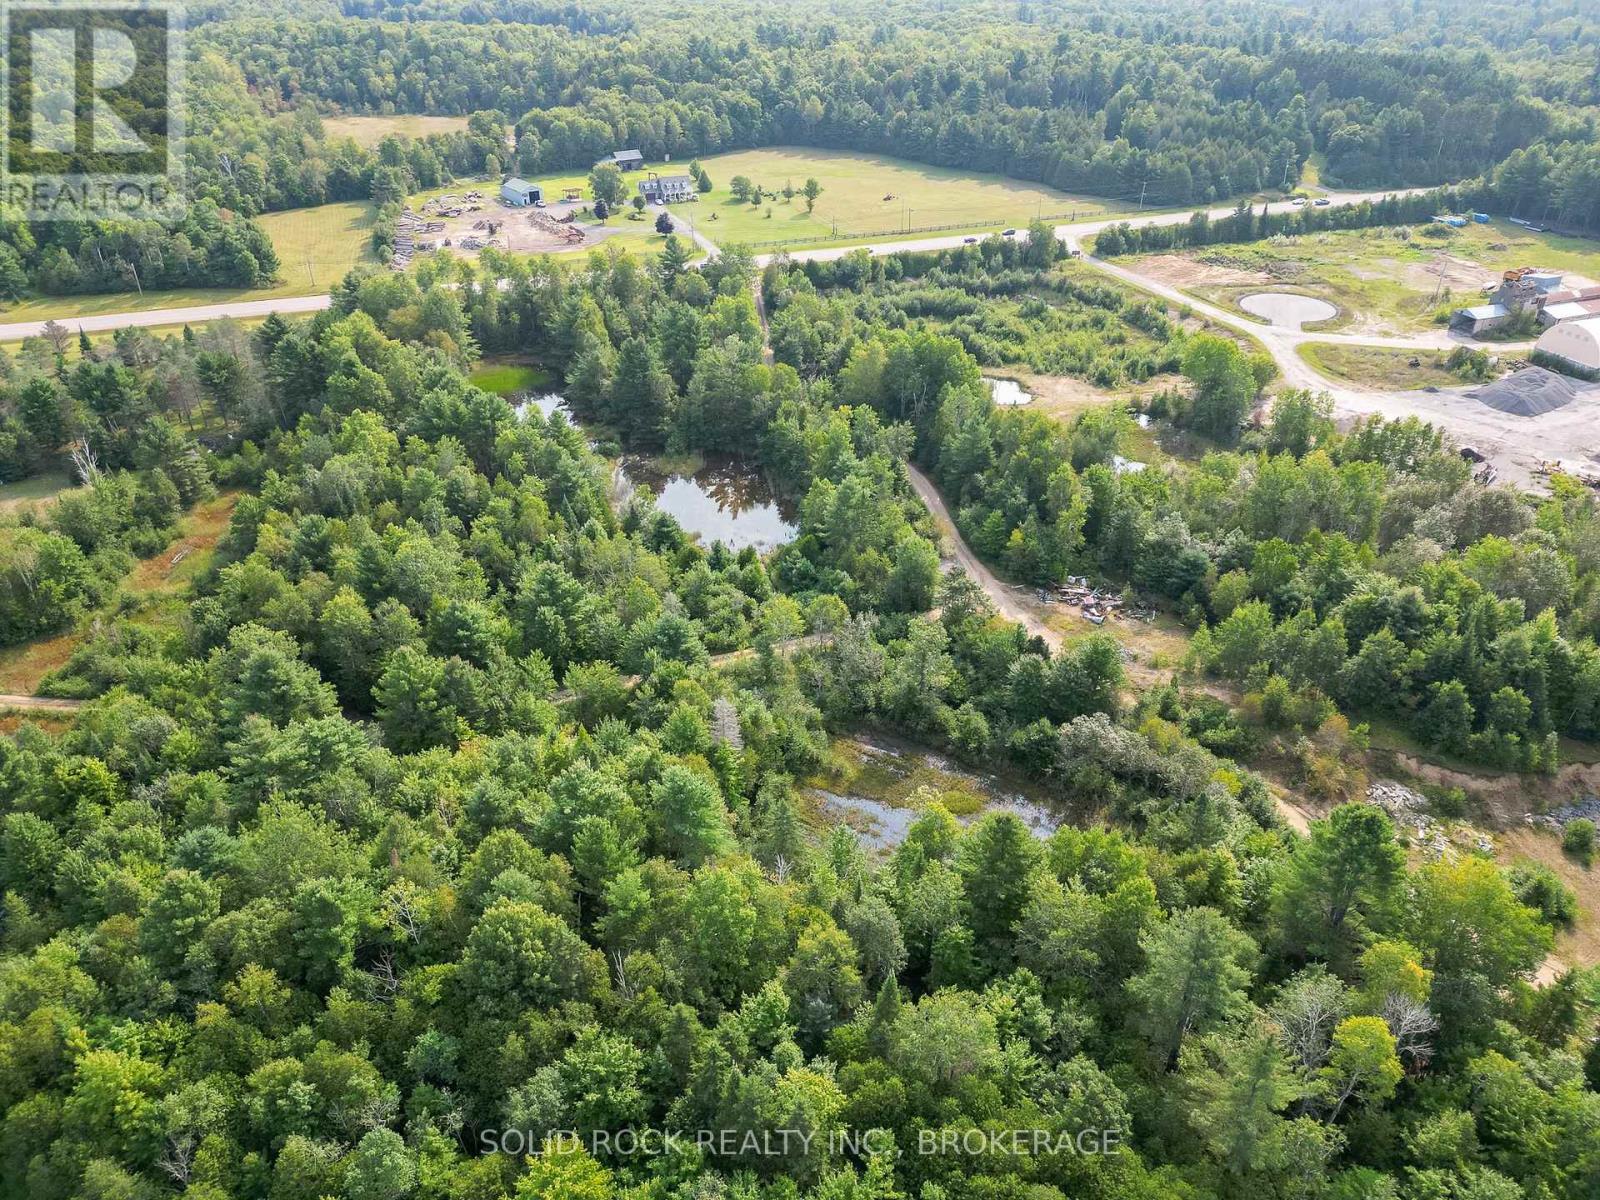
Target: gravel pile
{"points": [[1406, 805], [1530, 392], [1587, 809]]}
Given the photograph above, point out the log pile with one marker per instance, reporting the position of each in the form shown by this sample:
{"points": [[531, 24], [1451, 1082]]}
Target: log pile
{"points": [[564, 230]]}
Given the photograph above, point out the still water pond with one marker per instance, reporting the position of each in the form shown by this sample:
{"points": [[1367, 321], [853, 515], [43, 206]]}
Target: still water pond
{"points": [[1008, 393], [727, 500]]}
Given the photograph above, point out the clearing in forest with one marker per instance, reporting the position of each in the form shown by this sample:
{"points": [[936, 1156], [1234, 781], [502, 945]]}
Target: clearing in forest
{"points": [[1394, 281], [864, 196], [369, 131]]}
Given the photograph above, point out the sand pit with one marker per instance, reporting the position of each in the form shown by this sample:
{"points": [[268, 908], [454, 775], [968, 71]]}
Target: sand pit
{"points": [[1179, 270]]}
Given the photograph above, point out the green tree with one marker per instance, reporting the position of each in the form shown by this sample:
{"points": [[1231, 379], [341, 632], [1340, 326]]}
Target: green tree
{"points": [[607, 186], [380, 1168], [1224, 386], [1341, 883], [1196, 971], [1362, 1065]]}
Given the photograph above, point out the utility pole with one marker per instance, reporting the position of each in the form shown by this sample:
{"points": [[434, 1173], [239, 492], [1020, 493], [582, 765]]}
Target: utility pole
{"points": [[1142, 188]]}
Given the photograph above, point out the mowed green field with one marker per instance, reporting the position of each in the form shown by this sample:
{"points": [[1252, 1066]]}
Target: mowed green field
{"points": [[855, 203], [316, 248], [369, 131]]}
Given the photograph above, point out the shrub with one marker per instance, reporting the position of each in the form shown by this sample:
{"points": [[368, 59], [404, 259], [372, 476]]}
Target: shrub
{"points": [[1577, 839]]}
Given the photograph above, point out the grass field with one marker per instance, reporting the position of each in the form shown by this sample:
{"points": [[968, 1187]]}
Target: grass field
{"points": [[1382, 280], [1376, 367], [853, 206], [316, 248], [369, 131], [153, 591], [34, 492]]}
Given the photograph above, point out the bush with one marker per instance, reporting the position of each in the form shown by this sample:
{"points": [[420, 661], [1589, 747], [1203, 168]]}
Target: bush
{"points": [[1577, 840], [1539, 888]]}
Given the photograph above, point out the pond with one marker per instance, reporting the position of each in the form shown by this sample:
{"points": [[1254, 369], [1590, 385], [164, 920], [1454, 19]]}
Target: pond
{"points": [[546, 405], [1008, 393], [728, 499], [1288, 310], [874, 785]]}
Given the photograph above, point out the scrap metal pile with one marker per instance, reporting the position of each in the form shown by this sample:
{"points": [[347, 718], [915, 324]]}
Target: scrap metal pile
{"points": [[1097, 603]]}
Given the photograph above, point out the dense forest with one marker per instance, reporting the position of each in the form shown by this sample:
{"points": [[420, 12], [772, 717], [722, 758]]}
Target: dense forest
{"points": [[436, 825], [1150, 106], [455, 828]]}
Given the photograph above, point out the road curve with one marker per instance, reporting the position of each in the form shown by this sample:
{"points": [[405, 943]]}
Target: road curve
{"points": [[1003, 598]]}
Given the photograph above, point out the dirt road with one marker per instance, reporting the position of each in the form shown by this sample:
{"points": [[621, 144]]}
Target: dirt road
{"points": [[1517, 446], [39, 702], [1005, 599]]}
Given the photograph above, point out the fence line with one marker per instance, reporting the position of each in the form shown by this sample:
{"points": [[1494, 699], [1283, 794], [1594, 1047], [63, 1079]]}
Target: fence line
{"points": [[885, 233]]}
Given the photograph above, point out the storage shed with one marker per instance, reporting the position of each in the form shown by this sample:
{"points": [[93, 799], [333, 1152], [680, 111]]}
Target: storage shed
{"points": [[519, 193], [1480, 319], [1576, 342]]}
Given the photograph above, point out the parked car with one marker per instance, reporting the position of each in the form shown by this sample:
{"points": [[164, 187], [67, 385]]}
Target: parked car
{"points": [[969, 241], [1323, 202], [1008, 233], [1298, 200]]}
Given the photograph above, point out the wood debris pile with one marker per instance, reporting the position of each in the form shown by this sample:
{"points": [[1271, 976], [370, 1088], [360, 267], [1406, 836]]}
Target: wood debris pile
{"points": [[1096, 603], [564, 230]]}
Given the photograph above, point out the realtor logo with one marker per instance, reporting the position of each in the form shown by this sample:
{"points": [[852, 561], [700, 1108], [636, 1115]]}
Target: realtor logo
{"points": [[93, 127]]}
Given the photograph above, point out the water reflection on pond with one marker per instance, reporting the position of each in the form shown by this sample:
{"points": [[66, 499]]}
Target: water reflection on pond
{"points": [[727, 500], [1008, 393], [546, 405]]}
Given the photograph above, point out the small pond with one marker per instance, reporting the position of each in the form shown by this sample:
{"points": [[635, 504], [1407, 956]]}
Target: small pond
{"points": [[872, 787], [1008, 393], [727, 500], [546, 405], [1288, 310]]}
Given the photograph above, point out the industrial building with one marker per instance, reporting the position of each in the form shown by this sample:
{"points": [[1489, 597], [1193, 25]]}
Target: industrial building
{"points": [[1576, 343], [1518, 291]]}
